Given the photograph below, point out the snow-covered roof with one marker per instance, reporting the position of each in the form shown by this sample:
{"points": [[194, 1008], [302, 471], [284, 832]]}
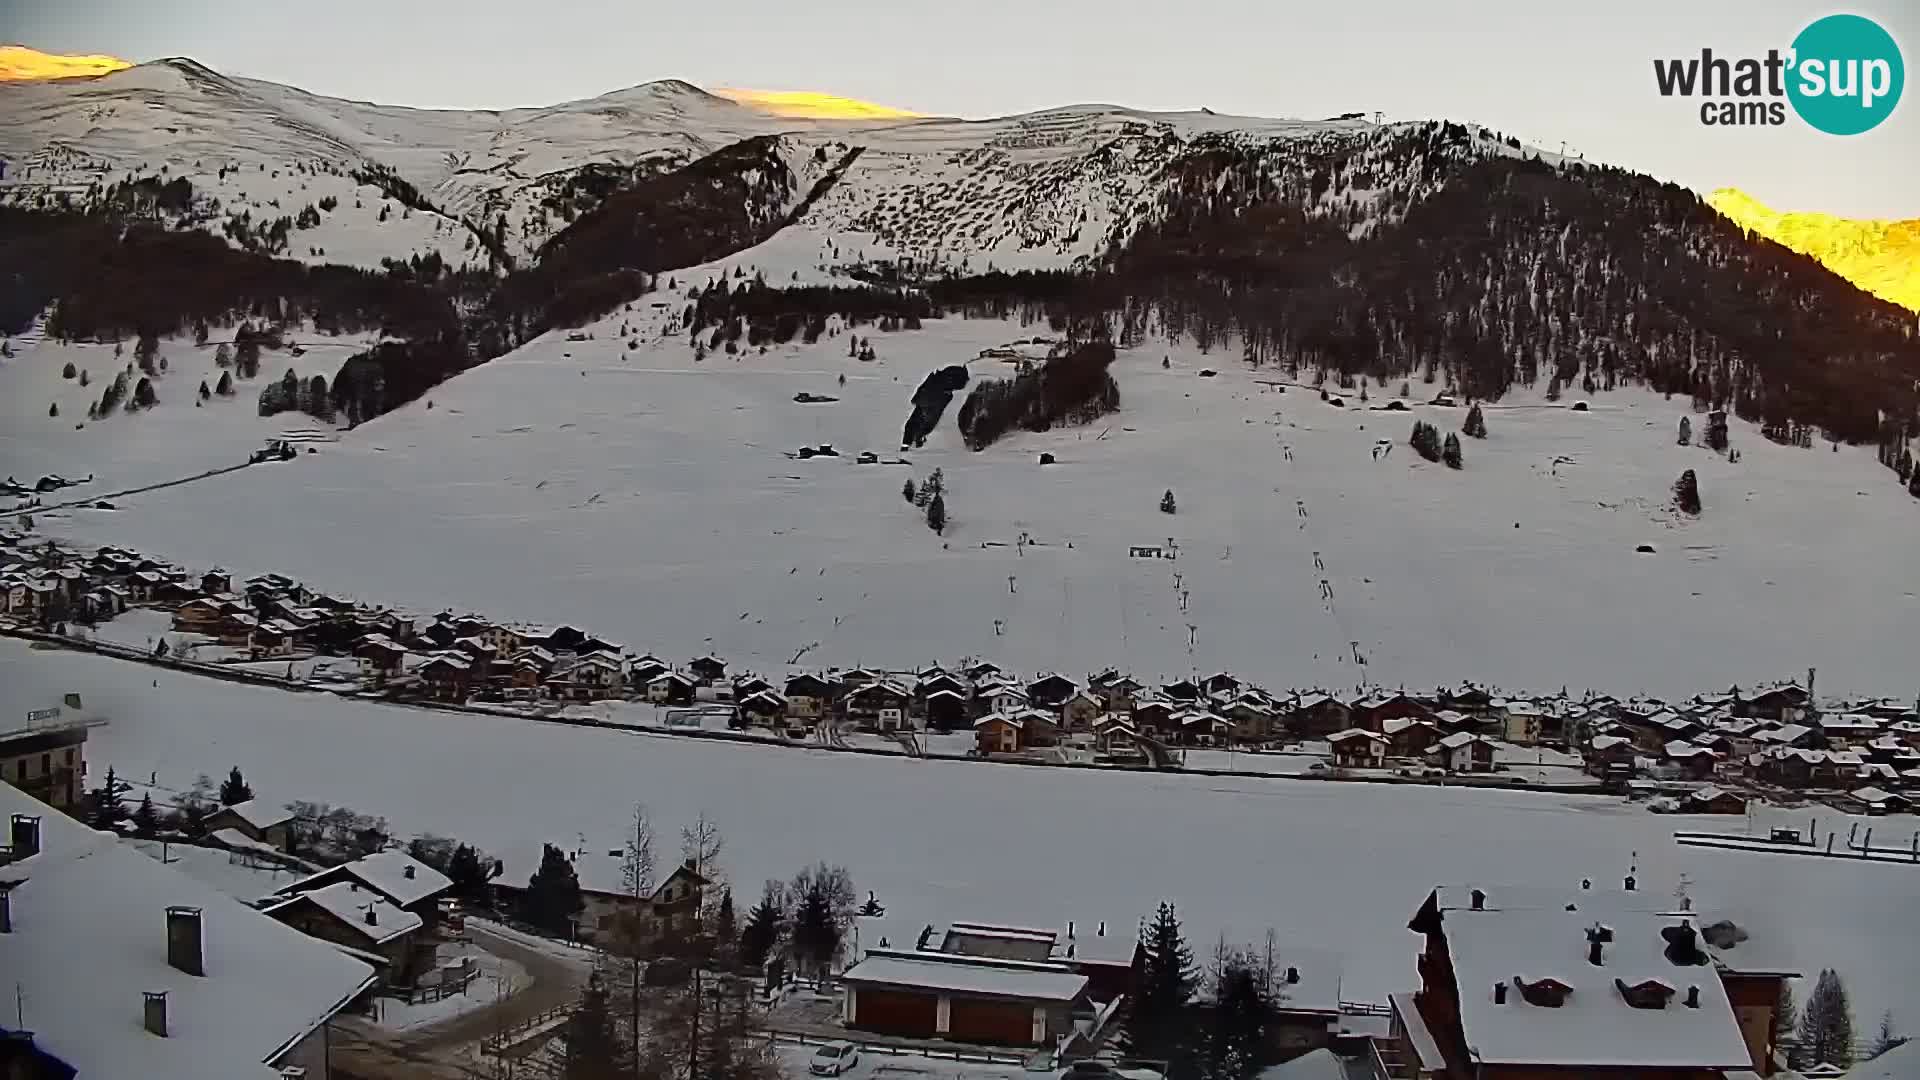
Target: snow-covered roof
{"points": [[1528, 935], [1355, 733], [1319, 1064], [1680, 748], [1900, 1063], [936, 971], [348, 902], [258, 813], [1462, 738], [1847, 721], [90, 938], [1608, 742], [392, 873], [1872, 795], [1001, 718]]}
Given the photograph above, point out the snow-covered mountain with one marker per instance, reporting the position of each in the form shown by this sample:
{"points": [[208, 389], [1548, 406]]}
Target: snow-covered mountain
{"points": [[1041, 189]]}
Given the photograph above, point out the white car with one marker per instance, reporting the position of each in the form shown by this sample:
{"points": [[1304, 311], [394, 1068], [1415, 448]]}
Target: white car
{"points": [[834, 1058]]}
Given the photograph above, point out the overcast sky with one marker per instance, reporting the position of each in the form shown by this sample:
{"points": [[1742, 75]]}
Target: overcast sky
{"points": [[1582, 76]]}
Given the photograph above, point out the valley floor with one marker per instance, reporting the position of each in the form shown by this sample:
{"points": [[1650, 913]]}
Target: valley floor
{"points": [[1339, 866]]}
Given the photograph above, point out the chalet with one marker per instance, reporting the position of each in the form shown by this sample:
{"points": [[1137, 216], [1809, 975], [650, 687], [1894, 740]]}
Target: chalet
{"points": [[1119, 690], [1316, 716], [1523, 983], [808, 695], [1463, 752], [393, 875], [447, 676], [1357, 748], [1843, 730], [237, 629], [1182, 690], [1079, 711], [1800, 736], [671, 688], [1154, 715], [1051, 691], [255, 820], [1203, 727], [1712, 800], [926, 994], [1371, 713], [381, 658], [475, 648], [1787, 704], [1471, 700], [525, 679], [1410, 738], [596, 677], [937, 681], [611, 911], [983, 670], [1114, 736], [1253, 718], [999, 697], [269, 639], [1694, 762], [199, 616], [707, 669], [946, 710], [1521, 722], [1790, 766], [1873, 800], [538, 658], [749, 684], [764, 707], [216, 581], [503, 640], [1000, 733], [1609, 753], [1220, 682], [143, 584], [879, 706], [361, 920], [140, 970], [643, 669]]}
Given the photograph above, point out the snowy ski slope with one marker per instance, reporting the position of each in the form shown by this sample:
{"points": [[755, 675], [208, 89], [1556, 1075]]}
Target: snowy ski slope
{"points": [[651, 498]]}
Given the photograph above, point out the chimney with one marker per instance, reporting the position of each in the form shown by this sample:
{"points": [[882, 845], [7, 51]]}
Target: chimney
{"points": [[1630, 882], [372, 919], [1499, 993], [407, 872], [1069, 929], [1595, 949], [154, 1012], [25, 836], [1693, 997], [1293, 976], [183, 940], [1479, 900], [1585, 884], [1103, 928]]}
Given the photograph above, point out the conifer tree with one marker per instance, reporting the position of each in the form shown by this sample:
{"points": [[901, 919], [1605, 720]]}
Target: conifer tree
{"points": [[906, 490], [552, 898], [1167, 505], [234, 789], [1686, 431], [1686, 493], [1165, 978], [1826, 1024], [1451, 452], [937, 514], [146, 820], [761, 934], [1476, 425]]}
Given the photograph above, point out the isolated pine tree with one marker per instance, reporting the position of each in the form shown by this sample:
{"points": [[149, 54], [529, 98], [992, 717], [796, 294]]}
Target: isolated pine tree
{"points": [[234, 789], [225, 387], [552, 898], [53, 408], [69, 371], [906, 489], [1686, 493], [146, 821], [85, 378], [937, 514], [1158, 1028], [1887, 1038], [1167, 505], [1425, 440], [1686, 431], [761, 934], [104, 808], [1476, 425], [143, 395], [204, 392], [1451, 452], [1826, 1024]]}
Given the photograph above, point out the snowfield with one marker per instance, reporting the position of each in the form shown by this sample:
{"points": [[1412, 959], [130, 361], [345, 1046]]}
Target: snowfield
{"points": [[1338, 866], [650, 498]]}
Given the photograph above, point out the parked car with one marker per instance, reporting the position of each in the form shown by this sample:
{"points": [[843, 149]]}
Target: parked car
{"points": [[834, 1058]]}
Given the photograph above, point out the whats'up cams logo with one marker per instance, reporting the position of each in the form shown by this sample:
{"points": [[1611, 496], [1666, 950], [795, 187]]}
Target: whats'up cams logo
{"points": [[1843, 75]]}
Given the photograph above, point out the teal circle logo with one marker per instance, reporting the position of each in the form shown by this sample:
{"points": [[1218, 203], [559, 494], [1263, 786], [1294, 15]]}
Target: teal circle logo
{"points": [[1847, 74]]}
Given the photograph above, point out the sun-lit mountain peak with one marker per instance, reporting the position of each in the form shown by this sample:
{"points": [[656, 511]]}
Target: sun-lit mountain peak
{"points": [[1880, 257], [19, 62], [811, 105]]}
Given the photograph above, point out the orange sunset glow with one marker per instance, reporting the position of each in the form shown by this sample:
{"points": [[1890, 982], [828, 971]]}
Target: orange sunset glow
{"points": [[18, 62], [1879, 257], [811, 105]]}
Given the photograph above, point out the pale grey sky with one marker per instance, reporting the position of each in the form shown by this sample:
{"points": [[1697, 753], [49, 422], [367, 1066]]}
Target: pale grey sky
{"points": [[1546, 72]]}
